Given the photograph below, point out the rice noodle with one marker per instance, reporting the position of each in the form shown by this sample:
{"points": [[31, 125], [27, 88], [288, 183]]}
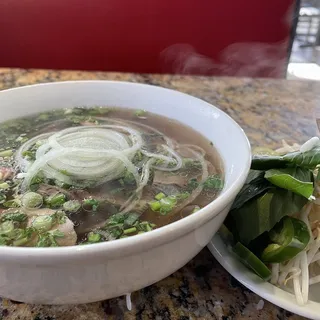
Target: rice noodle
{"points": [[275, 273], [297, 282], [304, 277]]}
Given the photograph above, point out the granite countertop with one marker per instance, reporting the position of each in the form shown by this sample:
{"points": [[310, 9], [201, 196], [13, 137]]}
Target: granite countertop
{"points": [[269, 111]]}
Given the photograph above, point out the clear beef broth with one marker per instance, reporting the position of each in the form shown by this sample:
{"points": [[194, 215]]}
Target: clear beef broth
{"points": [[166, 190]]}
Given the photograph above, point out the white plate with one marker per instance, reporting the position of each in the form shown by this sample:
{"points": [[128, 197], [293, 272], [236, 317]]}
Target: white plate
{"points": [[265, 290]]}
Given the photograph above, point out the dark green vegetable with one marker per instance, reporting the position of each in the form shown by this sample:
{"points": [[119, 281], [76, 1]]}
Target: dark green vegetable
{"points": [[289, 237], [263, 213], [255, 185], [309, 159], [277, 187], [252, 261], [298, 180]]}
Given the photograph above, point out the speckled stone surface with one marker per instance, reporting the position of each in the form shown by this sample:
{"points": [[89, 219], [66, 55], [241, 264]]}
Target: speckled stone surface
{"points": [[268, 111]]}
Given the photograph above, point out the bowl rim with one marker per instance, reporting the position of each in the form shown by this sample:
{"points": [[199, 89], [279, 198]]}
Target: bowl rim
{"points": [[159, 236]]}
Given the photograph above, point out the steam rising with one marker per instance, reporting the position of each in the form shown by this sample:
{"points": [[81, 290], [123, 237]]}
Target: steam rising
{"points": [[249, 59]]}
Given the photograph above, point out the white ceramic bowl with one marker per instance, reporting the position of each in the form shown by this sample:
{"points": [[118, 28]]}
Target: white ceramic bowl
{"points": [[82, 274]]}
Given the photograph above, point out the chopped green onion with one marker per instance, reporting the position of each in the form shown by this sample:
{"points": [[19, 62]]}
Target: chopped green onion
{"points": [[3, 240], [155, 205], [159, 162], [22, 139], [72, 206], [56, 233], [14, 216], [192, 184], [160, 196], [6, 228], [14, 203], [94, 237], [30, 155], [43, 117], [168, 203], [145, 226], [140, 113], [213, 182], [130, 230], [42, 223], [191, 164], [196, 208], [22, 236], [65, 172], [183, 196], [128, 178], [39, 143], [32, 200], [4, 186], [94, 204], [116, 219], [3, 198], [59, 217], [6, 153], [131, 219], [165, 210], [21, 241], [56, 200]]}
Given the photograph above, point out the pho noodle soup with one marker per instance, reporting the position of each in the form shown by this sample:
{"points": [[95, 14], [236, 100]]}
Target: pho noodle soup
{"points": [[88, 175]]}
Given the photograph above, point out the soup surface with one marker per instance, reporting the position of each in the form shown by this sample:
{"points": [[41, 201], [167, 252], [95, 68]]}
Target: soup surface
{"points": [[87, 175]]}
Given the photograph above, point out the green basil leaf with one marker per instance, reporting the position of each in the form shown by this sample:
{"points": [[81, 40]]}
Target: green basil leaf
{"points": [[255, 185], [309, 159], [261, 214], [297, 180]]}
